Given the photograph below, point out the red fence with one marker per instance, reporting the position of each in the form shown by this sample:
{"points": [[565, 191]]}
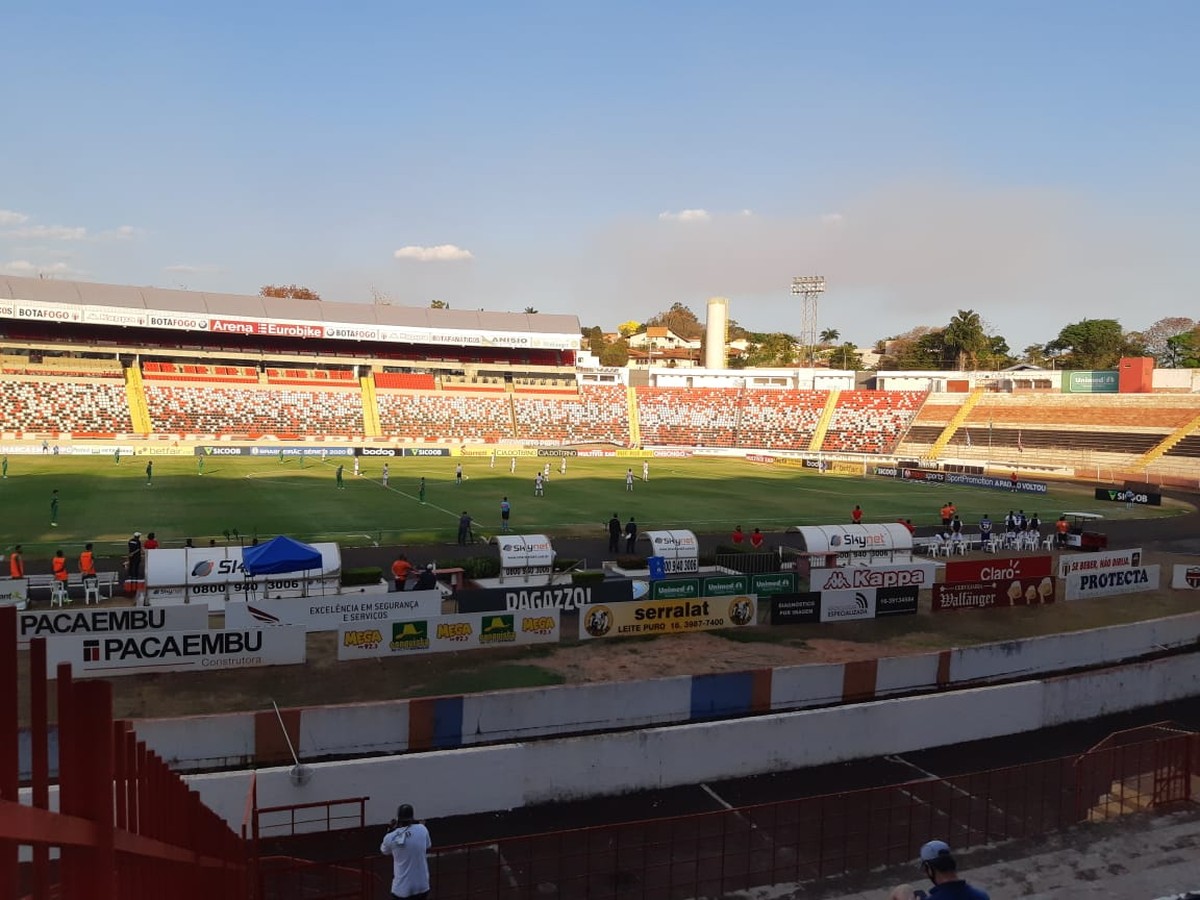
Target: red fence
{"points": [[126, 826]]}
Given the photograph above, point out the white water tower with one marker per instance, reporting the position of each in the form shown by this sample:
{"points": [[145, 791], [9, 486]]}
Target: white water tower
{"points": [[716, 332]]}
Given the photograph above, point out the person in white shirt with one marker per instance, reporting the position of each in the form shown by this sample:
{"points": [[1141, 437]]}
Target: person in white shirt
{"points": [[408, 843]]}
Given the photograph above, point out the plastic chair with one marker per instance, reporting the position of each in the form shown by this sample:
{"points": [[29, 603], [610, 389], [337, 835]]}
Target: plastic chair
{"points": [[91, 590], [58, 594]]}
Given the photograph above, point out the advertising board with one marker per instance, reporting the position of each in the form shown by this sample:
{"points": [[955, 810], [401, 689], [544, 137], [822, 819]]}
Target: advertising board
{"points": [[675, 589], [667, 616], [1030, 591], [442, 634], [334, 612], [555, 596], [92, 621], [525, 554], [770, 583], [1186, 577], [791, 609], [1090, 382], [139, 653], [998, 568], [215, 574], [724, 585], [1129, 580], [846, 606], [1099, 561], [896, 601], [1129, 496], [844, 578]]}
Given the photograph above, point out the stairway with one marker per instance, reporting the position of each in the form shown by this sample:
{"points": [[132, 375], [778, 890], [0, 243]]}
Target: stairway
{"points": [[818, 437], [139, 412], [1167, 443], [955, 423], [635, 428], [370, 407]]}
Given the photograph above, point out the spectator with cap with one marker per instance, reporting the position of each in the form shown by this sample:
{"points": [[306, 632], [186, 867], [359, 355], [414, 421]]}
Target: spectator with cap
{"points": [[427, 580], [407, 841], [135, 556], [939, 867]]}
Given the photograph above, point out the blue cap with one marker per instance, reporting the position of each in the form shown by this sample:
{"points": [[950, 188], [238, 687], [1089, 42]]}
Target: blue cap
{"points": [[934, 850]]}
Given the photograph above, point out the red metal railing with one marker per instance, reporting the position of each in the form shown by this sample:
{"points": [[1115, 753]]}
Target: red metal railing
{"points": [[126, 826]]}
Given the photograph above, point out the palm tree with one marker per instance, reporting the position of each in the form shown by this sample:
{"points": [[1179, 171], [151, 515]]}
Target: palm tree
{"points": [[829, 335], [530, 311], [964, 337]]}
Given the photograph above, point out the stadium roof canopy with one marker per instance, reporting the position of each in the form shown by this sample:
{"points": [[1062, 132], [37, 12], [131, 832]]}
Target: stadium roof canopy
{"points": [[149, 307]]}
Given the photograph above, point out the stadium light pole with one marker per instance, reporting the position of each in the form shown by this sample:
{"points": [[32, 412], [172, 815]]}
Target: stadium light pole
{"points": [[809, 288]]}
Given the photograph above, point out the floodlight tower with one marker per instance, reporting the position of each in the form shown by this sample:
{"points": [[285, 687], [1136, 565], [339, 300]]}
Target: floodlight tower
{"points": [[810, 288]]}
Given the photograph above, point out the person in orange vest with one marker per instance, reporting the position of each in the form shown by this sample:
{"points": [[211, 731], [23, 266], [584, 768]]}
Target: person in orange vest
{"points": [[87, 562], [400, 571], [856, 514], [59, 566], [1061, 528], [16, 565]]}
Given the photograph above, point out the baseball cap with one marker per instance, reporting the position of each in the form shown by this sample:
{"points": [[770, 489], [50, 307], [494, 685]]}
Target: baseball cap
{"points": [[137, 534], [937, 854], [429, 566]]}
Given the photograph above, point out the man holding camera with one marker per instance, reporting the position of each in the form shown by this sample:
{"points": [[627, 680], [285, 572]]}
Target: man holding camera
{"points": [[408, 843]]}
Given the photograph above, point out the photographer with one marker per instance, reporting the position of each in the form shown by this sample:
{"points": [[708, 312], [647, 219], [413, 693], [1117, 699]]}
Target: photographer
{"points": [[408, 843]]}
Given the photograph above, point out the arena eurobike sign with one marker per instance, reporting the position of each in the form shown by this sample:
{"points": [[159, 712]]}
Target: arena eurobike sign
{"points": [[140, 652], [132, 619], [442, 634], [1129, 580], [332, 613], [667, 616]]}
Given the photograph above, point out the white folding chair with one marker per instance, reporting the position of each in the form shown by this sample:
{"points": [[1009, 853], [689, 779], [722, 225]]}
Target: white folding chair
{"points": [[58, 594], [91, 591]]}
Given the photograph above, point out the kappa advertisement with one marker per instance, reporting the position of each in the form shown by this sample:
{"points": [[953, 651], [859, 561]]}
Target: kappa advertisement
{"points": [[561, 596], [440, 634], [845, 578], [215, 574], [1031, 591], [999, 569], [332, 613], [56, 623], [139, 653], [1186, 577], [1130, 580], [667, 616], [1099, 562]]}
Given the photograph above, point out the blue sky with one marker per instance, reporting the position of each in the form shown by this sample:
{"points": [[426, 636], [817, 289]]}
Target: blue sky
{"points": [[1036, 162]]}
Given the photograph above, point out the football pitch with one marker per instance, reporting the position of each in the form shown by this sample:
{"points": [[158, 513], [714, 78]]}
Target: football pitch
{"points": [[105, 502]]}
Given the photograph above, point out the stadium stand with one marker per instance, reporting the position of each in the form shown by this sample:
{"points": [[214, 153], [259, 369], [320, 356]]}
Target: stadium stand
{"points": [[779, 420], [445, 418], [691, 417], [167, 371], [310, 376], [406, 381], [67, 366], [60, 405], [871, 421], [599, 414], [282, 412]]}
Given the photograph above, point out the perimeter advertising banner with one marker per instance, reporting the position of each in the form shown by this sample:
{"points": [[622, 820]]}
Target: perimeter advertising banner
{"points": [[770, 583], [792, 609], [846, 606], [441, 634], [1090, 382], [1099, 562], [140, 653], [215, 574], [987, 594], [918, 574], [1186, 577], [1130, 496], [332, 613], [998, 569], [667, 616], [1129, 580], [130, 619], [555, 596]]}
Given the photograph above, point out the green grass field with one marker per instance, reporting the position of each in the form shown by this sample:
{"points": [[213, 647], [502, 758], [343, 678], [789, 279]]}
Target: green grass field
{"points": [[105, 502]]}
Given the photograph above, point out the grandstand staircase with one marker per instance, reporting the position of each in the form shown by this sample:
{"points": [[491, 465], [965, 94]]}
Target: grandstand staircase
{"points": [[1167, 443], [955, 423], [635, 428], [822, 428], [370, 407], [139, 412]]}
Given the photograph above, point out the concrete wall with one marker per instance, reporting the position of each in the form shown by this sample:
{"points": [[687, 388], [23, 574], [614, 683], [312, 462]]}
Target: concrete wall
{"points": [[483, 779], [443, 723]]}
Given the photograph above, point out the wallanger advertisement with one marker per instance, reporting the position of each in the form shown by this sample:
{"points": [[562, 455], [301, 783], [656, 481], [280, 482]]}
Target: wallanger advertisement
{"points": [[333, 612], [987, 594], [440, 634], [59, 622], [1131, 580], [138, 653], [667, 616]]}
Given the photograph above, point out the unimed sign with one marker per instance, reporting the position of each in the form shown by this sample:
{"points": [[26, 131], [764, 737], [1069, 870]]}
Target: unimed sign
{"points": [[999, 569]]}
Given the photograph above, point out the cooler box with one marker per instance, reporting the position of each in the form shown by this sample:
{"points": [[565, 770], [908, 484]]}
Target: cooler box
{"points": [[658, 567]]}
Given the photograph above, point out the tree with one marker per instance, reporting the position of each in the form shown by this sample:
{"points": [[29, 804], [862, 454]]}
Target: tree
{"points": [[288, 292], [735, 331], [845, 357], [918, 348], [829, 335], [632, 327], [530, 311], [593, 339], [438, 304], [1183, 350], [680, 319], [1155, 337], [775, 349], [964, 338], [615, 354], [1094, 344]]}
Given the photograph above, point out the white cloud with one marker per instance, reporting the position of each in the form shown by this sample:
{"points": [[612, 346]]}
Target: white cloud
{"points": [[10, 217], [121, 233], [48, 232], [440, 253], [185, 269], [686, 215], [28, 269]]}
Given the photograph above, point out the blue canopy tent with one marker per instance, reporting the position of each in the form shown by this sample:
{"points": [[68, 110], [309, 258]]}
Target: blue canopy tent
{"points": [[280, 556]]}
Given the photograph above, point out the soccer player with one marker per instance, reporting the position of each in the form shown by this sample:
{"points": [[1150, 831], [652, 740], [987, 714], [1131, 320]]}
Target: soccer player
{"points": [[562, 466], [149, 472], [54, 507], [356, 466], [645, 470], [385, 474], [505, 512], [492, 459], [512, 466], [539, 485], [4, 466], [546, 470], [117, 456], [199, 465], [281, 456], [629, 480], [458, 476], [421, 491], [338, 476]]}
